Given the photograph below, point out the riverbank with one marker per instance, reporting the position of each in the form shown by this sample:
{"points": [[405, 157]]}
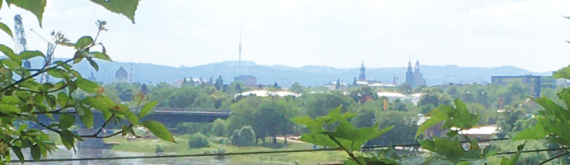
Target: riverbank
{"points": [[181, 147]]}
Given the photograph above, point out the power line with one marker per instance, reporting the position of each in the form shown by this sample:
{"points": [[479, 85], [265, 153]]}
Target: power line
{"points": [[259, 152]]}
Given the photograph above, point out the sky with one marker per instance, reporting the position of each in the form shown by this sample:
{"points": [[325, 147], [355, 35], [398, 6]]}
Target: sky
{"points": [[528, 34]]}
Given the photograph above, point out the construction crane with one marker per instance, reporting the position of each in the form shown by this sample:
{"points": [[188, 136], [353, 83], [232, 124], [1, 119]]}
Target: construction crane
{"points": [[49, 56], [20, 39]]}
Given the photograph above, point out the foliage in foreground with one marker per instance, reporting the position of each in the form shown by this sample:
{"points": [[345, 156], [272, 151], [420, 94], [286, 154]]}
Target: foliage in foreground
{"points": [[23, 99], [345, 136]]}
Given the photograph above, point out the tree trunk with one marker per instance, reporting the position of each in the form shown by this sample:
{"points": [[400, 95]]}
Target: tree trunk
{"points": [[285, 138], [274, 139]]}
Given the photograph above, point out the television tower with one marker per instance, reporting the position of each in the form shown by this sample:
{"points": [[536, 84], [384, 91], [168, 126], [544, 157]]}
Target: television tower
{"points": [[239, 63]]}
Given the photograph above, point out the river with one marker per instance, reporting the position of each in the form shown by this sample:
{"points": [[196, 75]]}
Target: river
{"points": [[97, 153]]}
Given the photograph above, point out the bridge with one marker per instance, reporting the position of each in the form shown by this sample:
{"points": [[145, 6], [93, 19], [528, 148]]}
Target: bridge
{"points": [[170, 117]]}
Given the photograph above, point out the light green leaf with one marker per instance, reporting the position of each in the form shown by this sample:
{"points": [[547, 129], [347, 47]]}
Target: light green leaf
{"points": [[8, 108], [124, 7], [83, 42], [66, 121], [8, 52], [158, 130], [304, 120], [31, 54], [58, 73], [87, 85], [436, 116], [131, 117], [147, 109], [66, 44], [4, 27], [62, 99], [35, 6], [562, 73], [101, 56], [513, 160], [10, 99], [533, 133]]}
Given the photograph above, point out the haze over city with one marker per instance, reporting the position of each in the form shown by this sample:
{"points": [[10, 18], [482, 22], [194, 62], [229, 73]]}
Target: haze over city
{"points": [[528, 34]]}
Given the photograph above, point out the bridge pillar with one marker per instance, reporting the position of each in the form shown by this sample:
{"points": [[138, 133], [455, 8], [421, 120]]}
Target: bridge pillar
{"points": [[89, 143]]}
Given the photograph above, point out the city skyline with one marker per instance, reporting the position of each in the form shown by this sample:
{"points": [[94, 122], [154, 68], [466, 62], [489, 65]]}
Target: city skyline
{"points": [[528, 34]]}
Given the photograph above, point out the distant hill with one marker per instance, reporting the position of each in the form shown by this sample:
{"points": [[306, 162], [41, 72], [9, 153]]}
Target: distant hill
{"points": [[307, 75]]}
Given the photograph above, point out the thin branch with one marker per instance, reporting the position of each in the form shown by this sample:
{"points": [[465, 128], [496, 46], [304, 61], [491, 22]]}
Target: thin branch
{"points": [[104, 124], [46, 92], [47, 127], [32, 76], [101, 137], [555, 157], [345, 149]]}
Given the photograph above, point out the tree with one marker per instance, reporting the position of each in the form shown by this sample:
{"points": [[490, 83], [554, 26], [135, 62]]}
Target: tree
{"points": [[219, 83], [405, 88], [296, 88], [272, 118], [238, 88], [23, 99], [276, 86], [144, 89], [319, 104]]}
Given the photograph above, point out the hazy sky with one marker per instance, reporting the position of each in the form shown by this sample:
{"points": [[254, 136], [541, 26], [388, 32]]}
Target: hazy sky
{"points": [[529, 34]]}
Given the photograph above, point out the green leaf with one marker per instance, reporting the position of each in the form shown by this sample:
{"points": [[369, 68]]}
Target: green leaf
{"points": [[86, 116], [67, 138], [62, 99], [35, 6], [124, 7], [8, 108], [562, 73], [19, 154], [66, 121], [158, 130], [304, 120], [93, 64], [533, 133], [66, 44], [31, 54], [8, 52], [10, 99], [513, 160], [87, 85], [4, 27], [36, 152], [58, 73], [436, 116], [83, 42], [101, 56], [147, 109]]}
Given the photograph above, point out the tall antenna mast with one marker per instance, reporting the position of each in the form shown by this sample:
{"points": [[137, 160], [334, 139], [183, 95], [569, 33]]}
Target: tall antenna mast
{"points": [[239, 63]]}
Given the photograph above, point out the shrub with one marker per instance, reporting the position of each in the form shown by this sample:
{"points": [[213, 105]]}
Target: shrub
{"points": [[198, 140], [219, 127], [244, 137]]}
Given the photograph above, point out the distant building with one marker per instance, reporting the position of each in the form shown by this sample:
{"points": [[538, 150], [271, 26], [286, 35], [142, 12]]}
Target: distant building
{"points": [[535, 83], [415, 78], [362, 76], [265, 93], [92, 77], [121, 76], [361, 80], [248, 80]]}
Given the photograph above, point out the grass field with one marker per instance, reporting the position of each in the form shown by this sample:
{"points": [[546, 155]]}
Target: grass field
{"points": [[181, 147]]}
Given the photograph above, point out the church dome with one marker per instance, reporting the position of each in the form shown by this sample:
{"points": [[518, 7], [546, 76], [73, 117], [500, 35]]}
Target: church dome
{"points": [[121, 73]]}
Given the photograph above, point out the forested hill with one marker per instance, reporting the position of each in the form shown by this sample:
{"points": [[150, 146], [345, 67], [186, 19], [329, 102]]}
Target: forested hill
{"points": [[307, 75]]}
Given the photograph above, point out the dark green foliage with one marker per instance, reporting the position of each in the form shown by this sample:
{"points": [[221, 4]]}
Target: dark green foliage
{"points": [[198, 140], [219, 128], [319, 104], [296, 88]]}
